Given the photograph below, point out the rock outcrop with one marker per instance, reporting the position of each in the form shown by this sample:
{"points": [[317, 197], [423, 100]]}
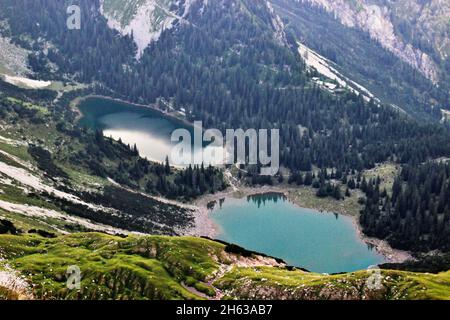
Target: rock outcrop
{"points": [[403, 27]]}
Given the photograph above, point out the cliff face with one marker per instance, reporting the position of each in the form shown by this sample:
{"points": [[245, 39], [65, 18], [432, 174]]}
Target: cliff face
{"points": [[414, 30], [145, 20]]}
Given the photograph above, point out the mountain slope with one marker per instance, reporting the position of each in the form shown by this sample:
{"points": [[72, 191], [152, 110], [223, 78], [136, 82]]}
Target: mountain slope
{"points": [[66, 179], [416, 94], [188, 268], [363, 59], [231, 63], [145, 20], [416, 31]]}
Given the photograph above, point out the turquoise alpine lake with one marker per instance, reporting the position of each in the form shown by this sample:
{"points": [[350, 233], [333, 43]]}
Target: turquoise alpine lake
{"points": [[270, 224]]}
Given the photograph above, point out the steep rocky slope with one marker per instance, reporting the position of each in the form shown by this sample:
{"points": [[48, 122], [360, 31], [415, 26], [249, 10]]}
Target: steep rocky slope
{"points": [[416, 31], [145, 20], [360, 56]]}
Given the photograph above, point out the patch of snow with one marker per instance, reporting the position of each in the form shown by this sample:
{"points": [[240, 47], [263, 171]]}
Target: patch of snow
{"points": [[396, 107], [323, 66], [25, 82], [363, 90], [12, 142], [328, 85], [6, 181], [316, 61], [18, 160], [445, 115], [32, 181]]}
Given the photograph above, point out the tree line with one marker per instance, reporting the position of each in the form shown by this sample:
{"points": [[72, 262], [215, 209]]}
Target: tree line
{"points": [[417, 215]]}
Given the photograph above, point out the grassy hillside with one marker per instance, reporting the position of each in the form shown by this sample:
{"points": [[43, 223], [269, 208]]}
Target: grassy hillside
{"points": [[158, 267]]}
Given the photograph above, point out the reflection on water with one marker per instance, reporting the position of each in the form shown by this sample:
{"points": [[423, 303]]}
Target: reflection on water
{"points": [[261, 199], [149, 129]]}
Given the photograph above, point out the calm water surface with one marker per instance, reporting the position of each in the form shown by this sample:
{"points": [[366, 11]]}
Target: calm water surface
{"points": [[319, 242]]}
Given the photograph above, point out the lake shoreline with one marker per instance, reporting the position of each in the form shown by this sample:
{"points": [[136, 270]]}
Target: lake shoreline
{"points": [[205, 226], [74, 105]]}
